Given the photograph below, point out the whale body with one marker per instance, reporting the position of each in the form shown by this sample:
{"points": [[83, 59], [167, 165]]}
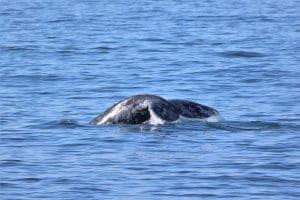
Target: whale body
{"points": [[153, 109]]}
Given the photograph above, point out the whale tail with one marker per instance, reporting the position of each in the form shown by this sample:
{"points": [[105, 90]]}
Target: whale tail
{"points": [[191, 109], [141, 109]]}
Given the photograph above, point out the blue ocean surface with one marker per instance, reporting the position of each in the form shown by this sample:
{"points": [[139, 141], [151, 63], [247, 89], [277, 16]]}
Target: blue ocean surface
{"points": [[64, 62]]}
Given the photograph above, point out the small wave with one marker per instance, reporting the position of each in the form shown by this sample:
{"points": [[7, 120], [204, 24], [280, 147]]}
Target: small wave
{"points": [[251, 125], [30, 179], [63, 123], [8, 185], [47, 77], [20, 48], [10, 162], [152, 51], [152, 39], [61, 20], [242, 54], [104, 49]]}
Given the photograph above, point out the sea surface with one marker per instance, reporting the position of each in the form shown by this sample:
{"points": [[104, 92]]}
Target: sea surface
{"points": [[64, 62]]}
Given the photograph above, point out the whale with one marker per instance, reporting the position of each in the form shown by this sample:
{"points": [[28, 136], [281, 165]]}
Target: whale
{"points": [[152, 109]]}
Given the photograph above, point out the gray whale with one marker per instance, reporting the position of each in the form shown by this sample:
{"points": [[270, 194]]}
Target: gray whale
{"points": [[140, 109]]}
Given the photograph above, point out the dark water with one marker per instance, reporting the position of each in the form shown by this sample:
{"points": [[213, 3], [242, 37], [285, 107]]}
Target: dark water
{"points": [[63, 62]]}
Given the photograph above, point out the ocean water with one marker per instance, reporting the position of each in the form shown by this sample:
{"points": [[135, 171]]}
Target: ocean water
{"points": [[64, 62]]}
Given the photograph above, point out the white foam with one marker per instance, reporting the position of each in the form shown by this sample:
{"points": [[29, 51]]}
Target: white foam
{"points": [[213, 118]]}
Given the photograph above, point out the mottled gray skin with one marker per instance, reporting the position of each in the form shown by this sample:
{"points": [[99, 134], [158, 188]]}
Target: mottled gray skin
{"points": [[191, 109], [137, 110]]}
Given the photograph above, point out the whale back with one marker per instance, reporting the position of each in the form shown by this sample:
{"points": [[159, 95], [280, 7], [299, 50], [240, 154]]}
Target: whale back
{"points": [[137, 110], [128, 111]]}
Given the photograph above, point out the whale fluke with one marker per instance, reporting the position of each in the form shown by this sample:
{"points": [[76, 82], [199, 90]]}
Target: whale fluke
{"points": [[140, 109], [191, 109]]}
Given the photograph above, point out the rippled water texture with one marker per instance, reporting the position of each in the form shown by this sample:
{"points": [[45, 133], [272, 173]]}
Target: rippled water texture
{"points": [[64, 62]]}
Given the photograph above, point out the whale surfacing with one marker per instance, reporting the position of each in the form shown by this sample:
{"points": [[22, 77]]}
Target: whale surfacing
{"points": [[152, 109]]}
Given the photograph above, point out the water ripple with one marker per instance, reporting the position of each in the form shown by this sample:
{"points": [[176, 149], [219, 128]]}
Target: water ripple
{"points": [[242, 54], [63, 123]]}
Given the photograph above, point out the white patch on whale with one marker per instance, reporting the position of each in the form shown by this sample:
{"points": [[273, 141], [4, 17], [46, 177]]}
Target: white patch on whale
{"points": [[154, 119]]}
